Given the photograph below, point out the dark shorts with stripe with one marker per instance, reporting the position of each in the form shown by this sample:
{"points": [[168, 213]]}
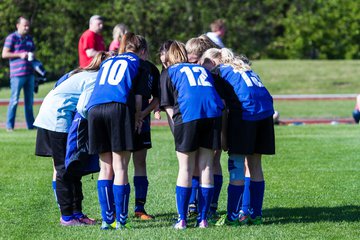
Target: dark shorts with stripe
{"points": [[205, 133], [250, 137], [111, 128]]}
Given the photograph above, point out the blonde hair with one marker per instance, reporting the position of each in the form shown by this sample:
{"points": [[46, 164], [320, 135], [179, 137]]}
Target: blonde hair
{"points": [[227, 57], [199, 45], [95, 63], [119, 30], [176, 53]]}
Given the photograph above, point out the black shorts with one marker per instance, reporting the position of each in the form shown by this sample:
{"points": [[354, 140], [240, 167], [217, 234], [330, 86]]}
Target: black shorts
{"points": [[111, 128], [52, 144], [204, 133], [142, 141], [250, 137], [43, 147]]}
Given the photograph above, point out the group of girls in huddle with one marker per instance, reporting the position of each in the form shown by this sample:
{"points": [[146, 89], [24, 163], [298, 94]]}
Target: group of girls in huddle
{"points": [[213, 101]]}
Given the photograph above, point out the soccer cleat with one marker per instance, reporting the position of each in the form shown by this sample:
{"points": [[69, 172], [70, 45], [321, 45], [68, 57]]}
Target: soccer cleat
{"points": [[144, 216], [180, 224], [72, 222], [125, 226], [203, 224], [225, 221], [255, 221], [243, 218], [108, 226], [86, 220]]}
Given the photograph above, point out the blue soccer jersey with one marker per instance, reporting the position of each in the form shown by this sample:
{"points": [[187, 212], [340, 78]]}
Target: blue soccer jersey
{"points": [[189, 89], [118, 78], [244, 91]]}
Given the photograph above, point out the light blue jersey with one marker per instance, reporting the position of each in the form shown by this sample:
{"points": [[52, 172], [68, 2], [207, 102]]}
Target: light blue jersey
{"points": [[58, 108]]}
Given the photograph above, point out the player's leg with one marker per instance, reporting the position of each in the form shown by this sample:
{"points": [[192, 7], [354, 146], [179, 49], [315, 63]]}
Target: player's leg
{"points": [[206, 186], [121, 186], [141, 184], [183, 185], [193, 203], [218, 181], [257, 187], [246, 196], [235, 189], [64, 186], [105, 191]]}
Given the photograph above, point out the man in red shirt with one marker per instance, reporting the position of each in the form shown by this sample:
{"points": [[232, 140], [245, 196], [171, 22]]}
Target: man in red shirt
{"points": [[91, 42]]}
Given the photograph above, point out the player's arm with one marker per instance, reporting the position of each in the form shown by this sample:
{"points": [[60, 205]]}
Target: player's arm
{"points": [[154, 103], [138, 114], [169, 113], [167, 97]]}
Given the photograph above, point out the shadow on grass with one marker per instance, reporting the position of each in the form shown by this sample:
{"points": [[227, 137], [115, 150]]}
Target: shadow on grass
{"points": [[349, 213]]}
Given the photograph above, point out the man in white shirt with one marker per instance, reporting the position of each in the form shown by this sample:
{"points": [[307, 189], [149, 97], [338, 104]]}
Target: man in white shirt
{"points": [[218, 30]]}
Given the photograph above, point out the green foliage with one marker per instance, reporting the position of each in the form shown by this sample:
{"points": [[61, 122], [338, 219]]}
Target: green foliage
{"points": [[282, 29], [305, 196], [320, 29]]}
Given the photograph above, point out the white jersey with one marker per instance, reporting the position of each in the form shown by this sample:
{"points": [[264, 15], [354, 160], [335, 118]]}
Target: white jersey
{"points": [[215, 38], [58, 108]]}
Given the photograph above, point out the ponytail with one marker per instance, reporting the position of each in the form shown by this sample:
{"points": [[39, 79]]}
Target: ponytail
{"points": [[131, 42]]}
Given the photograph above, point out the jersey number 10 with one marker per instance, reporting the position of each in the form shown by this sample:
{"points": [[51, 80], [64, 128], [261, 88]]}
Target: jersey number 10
{"points": [[115, 74]]}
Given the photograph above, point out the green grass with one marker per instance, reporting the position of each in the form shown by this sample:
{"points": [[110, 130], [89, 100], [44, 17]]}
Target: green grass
{"points": [[312, 186], [309, 76]]}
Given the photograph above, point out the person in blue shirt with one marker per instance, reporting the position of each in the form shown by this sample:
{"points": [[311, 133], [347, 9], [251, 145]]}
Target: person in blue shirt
{"points": [[190, 100], [250, 131], [114, 114], [53, 125]]}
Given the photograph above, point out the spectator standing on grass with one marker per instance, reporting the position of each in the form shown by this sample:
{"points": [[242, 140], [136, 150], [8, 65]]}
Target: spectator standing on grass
{"points": [[91, 41], [218, 30], [19, 49], [118, 31]]}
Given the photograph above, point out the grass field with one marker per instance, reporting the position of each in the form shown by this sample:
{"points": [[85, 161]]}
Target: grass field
{"points": [[312, 186]]}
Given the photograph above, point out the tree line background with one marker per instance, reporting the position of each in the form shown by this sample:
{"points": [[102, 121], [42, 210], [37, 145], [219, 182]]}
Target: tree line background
{"points": [[260, 29]]}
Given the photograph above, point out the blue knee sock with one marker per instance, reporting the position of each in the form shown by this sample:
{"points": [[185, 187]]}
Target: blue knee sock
{"points": [[257, 190], [182, 201], [141, 184], [194, 190], [246, 197], [234, 201], [218, 181], [54, 190], [121, 195], [205, 197], [106, 200]]}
